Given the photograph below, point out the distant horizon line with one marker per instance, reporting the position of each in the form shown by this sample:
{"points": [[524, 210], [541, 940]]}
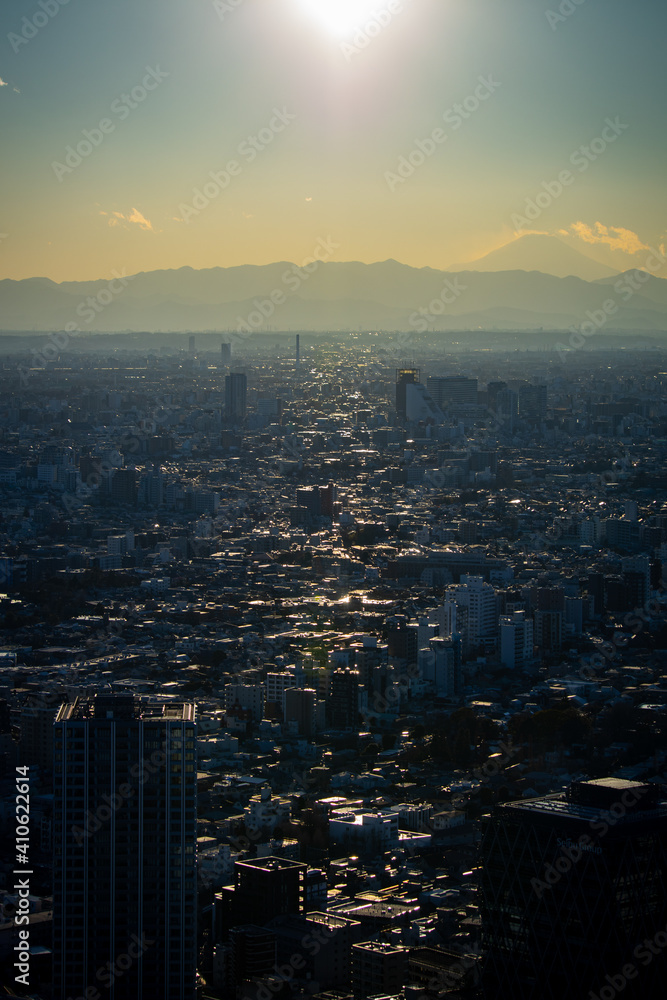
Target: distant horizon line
{"points": [[460, 269]]}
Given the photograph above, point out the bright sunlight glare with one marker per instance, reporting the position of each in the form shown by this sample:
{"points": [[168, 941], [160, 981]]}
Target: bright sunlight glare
{"points": [[342, 17]]}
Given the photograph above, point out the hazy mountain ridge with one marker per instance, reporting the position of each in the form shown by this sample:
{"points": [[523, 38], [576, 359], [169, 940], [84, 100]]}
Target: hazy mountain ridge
{"points": [[335, 296]]}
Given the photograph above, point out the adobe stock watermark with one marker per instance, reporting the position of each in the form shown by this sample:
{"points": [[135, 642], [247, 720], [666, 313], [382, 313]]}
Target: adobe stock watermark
{"points": [[88, 309], [31, 26], [249, 149], [225, 7], [292, 279], [581, 158], [378, 19], [625, 288], [566, 9], [312, 944], [573, 851], [452, 289], [112, 803], [455, 116], [122, 107], [491, 769], [645, 952], [108, 973]]}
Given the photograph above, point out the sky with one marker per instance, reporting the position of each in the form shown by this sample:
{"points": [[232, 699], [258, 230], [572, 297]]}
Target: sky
{"points": [[148, 134]]}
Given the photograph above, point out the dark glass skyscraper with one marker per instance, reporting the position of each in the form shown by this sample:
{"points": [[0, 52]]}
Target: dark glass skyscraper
{"points": [[236, 392], [574, 894], [404, 376], [124, 849]]}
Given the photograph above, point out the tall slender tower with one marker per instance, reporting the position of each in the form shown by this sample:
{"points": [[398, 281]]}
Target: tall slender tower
{"points": [[236, 391], [124, 897], [298, 350]]}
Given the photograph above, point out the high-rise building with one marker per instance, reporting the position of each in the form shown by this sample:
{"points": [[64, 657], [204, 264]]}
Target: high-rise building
{"points": [[548, 630], [124, 486], [533, 402], [125, 817], [404, 376], [301, 708], [378, 967], [506, 407], [574, 894], [263, 888], [440, 666], [225, 352], [344, 697], [455, 390], [516, 640], [236, 392], [480, 599]]}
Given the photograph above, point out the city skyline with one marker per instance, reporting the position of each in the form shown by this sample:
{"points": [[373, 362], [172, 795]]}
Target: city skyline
{"points": [[244, 131]]}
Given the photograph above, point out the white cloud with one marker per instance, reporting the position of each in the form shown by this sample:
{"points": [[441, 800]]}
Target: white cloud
{"points": [[135, 218], [614, 237]]}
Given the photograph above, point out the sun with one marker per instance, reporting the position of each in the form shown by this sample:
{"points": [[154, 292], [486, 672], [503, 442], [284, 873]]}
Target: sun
{"points": [[342, 17]]}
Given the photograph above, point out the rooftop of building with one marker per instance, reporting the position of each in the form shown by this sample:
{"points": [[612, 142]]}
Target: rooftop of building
{"points": [[118, 707], [271, 864]]}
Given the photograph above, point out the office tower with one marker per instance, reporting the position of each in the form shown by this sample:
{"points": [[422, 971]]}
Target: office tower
{"points": [[404, 376], [492, 389], [191, 345], [329, 939], [402, 641], [533, 402], [548, 630], [276, 685], [419, 404], [344, 698], [516, 640], [378, 967], [236, 391], [301, 708], [575, 614], [637, 577], [454, 390], [479, 598], [151, 488], [263, 889], [328, 498], [440, 666], [225, 353], [574, 894], [507, 406], [319, 501], [124, 893], [298, 350], [124, 486], [595, 589]]}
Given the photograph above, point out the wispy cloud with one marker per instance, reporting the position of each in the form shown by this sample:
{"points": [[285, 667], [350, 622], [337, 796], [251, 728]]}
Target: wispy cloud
{"points": [[135, 218], [614, 237]]}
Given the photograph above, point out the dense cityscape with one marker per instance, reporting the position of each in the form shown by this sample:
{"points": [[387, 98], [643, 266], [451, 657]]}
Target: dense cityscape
{"points": [[333, 500], [336, 668]]}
